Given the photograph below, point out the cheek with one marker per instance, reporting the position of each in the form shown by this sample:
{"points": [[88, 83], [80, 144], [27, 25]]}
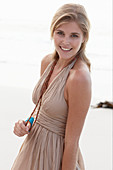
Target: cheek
{"points": [[77, 43], [79, 46], [55, 40]]}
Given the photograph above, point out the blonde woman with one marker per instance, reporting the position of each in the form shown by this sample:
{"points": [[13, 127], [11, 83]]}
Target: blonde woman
{"points": [[62, 98]]}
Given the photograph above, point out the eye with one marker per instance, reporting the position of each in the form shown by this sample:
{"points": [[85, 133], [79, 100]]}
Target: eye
{"points": [[60, 32], [74, 35]]}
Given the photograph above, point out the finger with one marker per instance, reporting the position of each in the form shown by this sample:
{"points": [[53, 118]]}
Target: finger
{"points": [[28, 126], [19, 128], [19, 132], [23, 127]]}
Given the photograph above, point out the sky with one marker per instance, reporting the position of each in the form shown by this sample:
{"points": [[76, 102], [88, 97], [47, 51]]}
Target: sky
{"points": [[99, 12], [25, 17], [42, 10]]}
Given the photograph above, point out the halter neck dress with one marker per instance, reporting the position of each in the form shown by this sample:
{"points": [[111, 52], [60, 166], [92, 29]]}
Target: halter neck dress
{"points": [[44, 145]]}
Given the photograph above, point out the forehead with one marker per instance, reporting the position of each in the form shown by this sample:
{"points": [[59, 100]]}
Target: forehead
{"points": [[69, 27]]}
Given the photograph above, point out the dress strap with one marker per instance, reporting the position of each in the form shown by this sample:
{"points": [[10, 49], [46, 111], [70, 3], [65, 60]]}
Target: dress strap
{"points": [[73, 62]]}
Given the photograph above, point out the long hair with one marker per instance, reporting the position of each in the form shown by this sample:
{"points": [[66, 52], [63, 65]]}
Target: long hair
{"points": [[77, 13], [68, 12]]}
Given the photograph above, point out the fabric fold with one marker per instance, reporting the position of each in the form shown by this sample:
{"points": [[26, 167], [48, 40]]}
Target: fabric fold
{"points": [[43, 147]]}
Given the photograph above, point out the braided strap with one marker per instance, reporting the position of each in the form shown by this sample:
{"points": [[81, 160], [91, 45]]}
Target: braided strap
{"points": [[43, 89], [31, 120]]}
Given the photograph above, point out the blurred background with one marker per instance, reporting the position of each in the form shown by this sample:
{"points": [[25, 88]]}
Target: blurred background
{"points": [[24, 41]]}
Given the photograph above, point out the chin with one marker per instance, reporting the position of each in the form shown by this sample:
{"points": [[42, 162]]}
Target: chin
{"points": [[66, 57]]}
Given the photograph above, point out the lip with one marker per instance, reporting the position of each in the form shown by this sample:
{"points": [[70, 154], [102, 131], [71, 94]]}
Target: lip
{"points": [[65, 49]]}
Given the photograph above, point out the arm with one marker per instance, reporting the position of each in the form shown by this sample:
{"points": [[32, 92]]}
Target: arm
{"points": [[78, 98], [20, 129]]}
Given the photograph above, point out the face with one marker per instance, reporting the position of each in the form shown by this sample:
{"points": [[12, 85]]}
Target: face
{"points": [[68, 39]]}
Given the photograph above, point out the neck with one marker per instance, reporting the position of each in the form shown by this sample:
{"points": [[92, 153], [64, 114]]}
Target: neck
{"points": [[61, 63]]}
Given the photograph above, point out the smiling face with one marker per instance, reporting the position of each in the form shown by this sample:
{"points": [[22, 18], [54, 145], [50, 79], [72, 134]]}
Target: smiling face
{"points": [[68, 38]]}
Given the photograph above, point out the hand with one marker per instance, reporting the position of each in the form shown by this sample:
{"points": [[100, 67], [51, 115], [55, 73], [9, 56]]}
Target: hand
{"points": [[20, 129]]}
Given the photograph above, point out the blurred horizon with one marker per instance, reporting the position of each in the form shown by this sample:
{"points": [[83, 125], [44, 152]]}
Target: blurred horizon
{"points": [[25, 38], [24, 28]]}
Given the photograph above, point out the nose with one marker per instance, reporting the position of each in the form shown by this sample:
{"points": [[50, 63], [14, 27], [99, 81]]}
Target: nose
{"points": [[66, 40]]}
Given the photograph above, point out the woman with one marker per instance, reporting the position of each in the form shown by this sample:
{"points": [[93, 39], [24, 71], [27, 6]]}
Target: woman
{"points": [[62, 98]]}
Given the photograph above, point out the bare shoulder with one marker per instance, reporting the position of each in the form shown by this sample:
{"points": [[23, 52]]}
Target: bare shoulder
{"points": [[79, 75], [78, 97], [79, 81], [45, 62]]}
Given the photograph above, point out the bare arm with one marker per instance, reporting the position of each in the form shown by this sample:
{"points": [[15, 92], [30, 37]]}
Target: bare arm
{"points": [[78, 96], [20, 129]]}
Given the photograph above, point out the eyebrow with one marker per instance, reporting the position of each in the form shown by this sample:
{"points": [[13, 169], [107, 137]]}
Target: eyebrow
{"points": [[59, 30], [75, 33], [71, 32]]}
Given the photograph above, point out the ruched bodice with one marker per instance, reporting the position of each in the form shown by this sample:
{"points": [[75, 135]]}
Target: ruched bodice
{"points": [[53, 112], [43, 147]]}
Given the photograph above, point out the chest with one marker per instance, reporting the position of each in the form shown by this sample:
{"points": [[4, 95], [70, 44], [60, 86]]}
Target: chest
{"points": [[54, 75], [52, 78]]}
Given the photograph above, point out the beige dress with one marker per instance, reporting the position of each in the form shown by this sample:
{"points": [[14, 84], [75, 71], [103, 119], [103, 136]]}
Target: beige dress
{"points": [[43, 147]]}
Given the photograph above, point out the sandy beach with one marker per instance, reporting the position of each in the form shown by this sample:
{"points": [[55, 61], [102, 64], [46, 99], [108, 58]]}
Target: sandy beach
{"points": [[16, 103], [24, 40]]}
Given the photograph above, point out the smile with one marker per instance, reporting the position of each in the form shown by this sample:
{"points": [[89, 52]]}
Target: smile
{"points": [[66, 49]]}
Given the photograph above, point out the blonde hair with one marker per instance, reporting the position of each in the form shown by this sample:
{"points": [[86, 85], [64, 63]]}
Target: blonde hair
{"points": [[77, 13], [67, 13]]}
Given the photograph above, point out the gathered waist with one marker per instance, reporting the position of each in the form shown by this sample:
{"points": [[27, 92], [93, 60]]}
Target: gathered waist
{"points": [[54, 125]]}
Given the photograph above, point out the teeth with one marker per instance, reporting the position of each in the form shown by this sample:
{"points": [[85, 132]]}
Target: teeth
{"points": [[65, 49]]}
